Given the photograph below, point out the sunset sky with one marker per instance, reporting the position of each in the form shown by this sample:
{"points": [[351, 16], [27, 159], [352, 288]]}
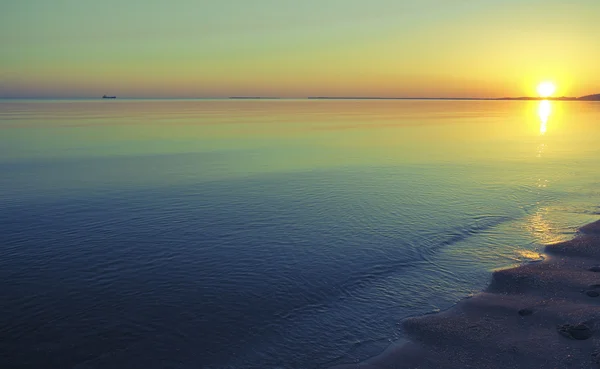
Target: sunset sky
{"points": [[291, 48]]}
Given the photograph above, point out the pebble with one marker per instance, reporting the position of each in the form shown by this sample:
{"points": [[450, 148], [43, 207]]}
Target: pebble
{"points": [[576, 332], [525, 312]]}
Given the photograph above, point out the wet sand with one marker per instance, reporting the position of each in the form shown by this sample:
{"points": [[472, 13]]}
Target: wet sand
{"points": [[538, 315]]}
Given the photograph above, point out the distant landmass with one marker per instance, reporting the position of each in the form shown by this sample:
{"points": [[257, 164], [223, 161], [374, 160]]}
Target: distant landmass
{"points": [[595, 97], [393, 98], [254, 97], [562, 98]]}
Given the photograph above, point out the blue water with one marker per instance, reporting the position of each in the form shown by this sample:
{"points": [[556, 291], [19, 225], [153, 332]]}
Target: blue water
{"points": [[268, 234]]}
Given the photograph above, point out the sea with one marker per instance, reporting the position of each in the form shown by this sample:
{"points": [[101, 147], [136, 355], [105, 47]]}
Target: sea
{"points": [[272, 234]]}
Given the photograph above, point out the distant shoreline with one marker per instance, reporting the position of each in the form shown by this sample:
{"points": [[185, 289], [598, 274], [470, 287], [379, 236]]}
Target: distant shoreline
{"points": [[523, 98], [564, 98]]}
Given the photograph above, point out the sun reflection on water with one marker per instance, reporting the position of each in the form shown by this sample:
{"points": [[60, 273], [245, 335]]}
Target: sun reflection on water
{"points": [[544, 111], [528, 255], [542, 229], [540, 149]]}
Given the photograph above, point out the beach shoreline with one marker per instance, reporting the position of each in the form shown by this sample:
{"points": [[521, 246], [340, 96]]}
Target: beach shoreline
{"points": [[538, 315]]}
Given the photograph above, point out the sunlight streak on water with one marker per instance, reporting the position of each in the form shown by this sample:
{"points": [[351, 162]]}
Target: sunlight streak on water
{"points": [[544, 111]]}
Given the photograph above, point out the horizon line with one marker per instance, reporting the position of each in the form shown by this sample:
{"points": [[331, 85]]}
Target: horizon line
{"points": [[595, 97]]}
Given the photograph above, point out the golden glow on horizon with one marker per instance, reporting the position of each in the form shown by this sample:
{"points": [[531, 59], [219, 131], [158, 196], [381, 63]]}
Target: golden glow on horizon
{"points": [[546, 89], [391, 48]]}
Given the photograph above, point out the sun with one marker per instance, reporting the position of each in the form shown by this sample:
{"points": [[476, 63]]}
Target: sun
{"points": [[546, 89]]}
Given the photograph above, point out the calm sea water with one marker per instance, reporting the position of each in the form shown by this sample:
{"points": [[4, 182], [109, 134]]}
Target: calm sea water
{"points": [[269, 234]]}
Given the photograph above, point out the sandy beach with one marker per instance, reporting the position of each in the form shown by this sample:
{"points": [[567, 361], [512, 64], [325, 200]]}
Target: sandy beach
{"points": [[538, 315]]}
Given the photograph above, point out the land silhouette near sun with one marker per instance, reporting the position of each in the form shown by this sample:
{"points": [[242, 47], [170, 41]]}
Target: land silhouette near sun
{"points": [[595, 97]]}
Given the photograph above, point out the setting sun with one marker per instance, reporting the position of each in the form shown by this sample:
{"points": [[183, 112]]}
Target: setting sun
{"points": [[546, 89]]}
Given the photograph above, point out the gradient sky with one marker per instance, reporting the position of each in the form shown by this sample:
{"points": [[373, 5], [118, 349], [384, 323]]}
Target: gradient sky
{"points": [[293, 48]]}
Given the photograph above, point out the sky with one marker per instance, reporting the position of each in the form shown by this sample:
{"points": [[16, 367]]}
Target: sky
{"points": [[295, 48]]}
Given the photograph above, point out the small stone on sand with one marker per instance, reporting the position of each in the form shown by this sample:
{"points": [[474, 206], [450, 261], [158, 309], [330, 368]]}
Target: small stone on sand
{"points": [[576, 332], [525, 312], [595, 269], [592, 293]]}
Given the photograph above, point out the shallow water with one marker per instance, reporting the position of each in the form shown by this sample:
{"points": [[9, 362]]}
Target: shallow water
{"points": [[269, 234]]}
